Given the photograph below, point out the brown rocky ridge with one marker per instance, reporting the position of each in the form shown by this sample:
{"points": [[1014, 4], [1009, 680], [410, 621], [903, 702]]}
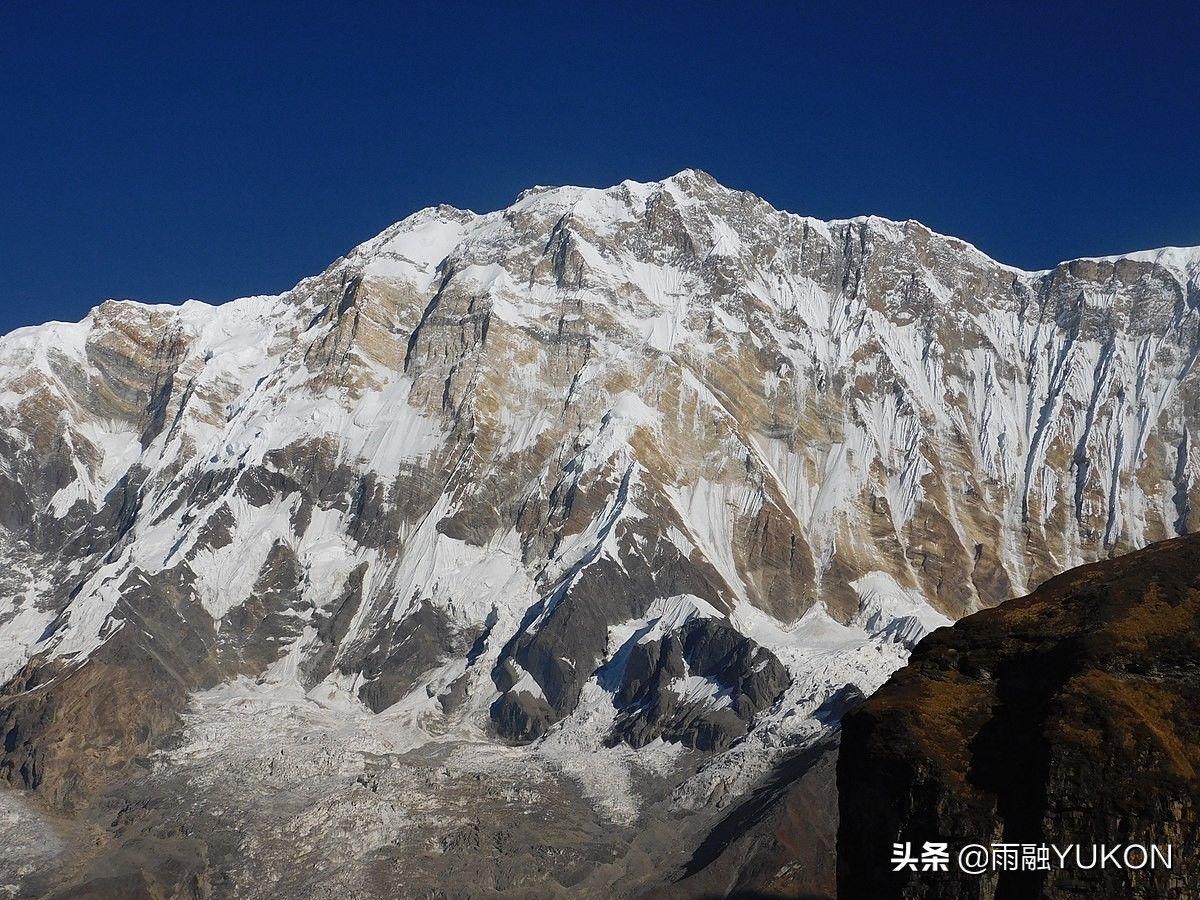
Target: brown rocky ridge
{"points": [[1069, 716]]}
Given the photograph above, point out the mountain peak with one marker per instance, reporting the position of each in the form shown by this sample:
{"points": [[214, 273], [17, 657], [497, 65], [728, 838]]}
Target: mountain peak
{"points": [[606, 207], [649, 472], [693, 177]]}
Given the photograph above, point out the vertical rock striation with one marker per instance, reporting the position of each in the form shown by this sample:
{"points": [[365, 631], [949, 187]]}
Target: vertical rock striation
{"points": [[651, 464]]}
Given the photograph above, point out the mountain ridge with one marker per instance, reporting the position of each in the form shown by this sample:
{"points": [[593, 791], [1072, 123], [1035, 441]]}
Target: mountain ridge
{"points": [[634, 482], [1186, 258], [1069, 711]]}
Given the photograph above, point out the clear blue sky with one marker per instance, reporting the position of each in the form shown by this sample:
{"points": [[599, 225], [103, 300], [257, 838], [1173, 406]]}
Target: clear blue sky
{"points": [[167, 150]]}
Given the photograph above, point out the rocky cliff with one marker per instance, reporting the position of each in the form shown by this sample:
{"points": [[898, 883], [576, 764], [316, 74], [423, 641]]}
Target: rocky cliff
{"points": [[627, 483], [1069, 716]]}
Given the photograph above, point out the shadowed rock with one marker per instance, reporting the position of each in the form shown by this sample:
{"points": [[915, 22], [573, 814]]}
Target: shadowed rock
{"points": [[1067, 716]]}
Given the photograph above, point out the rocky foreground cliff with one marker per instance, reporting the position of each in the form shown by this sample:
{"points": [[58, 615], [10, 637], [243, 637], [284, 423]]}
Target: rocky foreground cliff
{"points": [[1070, 716], [599, 502]]}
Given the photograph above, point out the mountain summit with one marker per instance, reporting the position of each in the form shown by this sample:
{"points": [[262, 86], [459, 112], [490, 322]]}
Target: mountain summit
{"points": [[628, 485]]}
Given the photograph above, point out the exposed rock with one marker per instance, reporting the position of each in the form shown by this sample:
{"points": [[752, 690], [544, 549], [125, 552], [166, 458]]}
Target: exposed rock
{"points": [[451, 477], [700, 686], [1065, 717]]}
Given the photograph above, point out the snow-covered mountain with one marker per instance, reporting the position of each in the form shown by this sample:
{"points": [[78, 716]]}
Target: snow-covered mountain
{"points": [[646, 468]]}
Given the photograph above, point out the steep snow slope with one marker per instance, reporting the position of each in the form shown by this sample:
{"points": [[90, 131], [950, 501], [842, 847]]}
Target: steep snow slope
{"points": [[656, 466]]}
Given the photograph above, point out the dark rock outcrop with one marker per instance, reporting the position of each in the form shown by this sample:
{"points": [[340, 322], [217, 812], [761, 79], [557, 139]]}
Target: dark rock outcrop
{"points": [[745, 679], [1070, 716]]}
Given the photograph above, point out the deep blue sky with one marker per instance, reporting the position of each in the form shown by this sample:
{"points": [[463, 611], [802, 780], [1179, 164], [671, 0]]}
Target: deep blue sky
{"points": [[161, 151]]}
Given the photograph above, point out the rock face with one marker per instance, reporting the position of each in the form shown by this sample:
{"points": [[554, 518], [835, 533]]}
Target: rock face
{"points": [[1069, 716], [639, 472], [701, 686]]}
